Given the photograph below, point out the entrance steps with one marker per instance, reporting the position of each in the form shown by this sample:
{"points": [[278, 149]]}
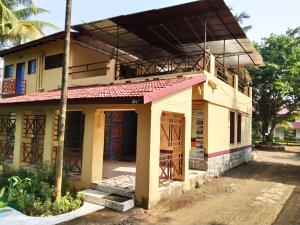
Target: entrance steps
{"points": [[109, 197], [123, 191]]}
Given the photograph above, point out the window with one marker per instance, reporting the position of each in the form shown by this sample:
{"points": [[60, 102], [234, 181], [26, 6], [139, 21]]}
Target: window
{"points": [[239, 127], [232, 127], [32, 66], [53, 61], [9, 71]]}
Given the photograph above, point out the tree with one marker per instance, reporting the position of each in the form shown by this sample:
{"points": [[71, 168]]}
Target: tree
{"points": [[277, 85], [63, 100], [16, 23], [241, 17]]}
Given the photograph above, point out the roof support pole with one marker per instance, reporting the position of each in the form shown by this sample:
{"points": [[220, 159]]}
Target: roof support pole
{"points": [[224, 43], [238, 72], [117, 54], [205, 39]]}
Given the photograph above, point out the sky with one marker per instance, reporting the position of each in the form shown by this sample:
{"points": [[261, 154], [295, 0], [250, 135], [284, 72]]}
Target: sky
{"points": [[267, 16]]}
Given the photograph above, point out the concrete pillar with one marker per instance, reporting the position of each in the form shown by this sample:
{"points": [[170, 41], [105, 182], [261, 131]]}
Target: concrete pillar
{"points": [[147, 158], [47, 155], [236, 82], [93, 147], [18, 140], [212, 64]]}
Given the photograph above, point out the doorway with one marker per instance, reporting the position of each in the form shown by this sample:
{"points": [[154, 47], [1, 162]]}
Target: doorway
{"points": [[120, 136], [20, 77], [120, 149]]}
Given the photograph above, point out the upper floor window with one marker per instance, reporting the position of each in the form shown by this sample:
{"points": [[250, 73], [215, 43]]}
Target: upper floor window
{"points": [[32, 66], [232, 127], [53, 61], [239, 128], [9, 71]]}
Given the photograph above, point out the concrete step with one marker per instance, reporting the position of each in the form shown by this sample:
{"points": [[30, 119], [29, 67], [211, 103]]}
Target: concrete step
{"points": [[111, 189], [108, 199]]}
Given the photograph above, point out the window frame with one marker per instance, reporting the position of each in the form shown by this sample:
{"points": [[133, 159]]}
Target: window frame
{"points": [[5, 76], [232, 127], [239, 128], [53, 61], [29, 72]]}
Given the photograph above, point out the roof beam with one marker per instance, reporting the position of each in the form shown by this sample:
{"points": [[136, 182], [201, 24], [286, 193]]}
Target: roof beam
{"points": [[164, 40], [220, 18]]}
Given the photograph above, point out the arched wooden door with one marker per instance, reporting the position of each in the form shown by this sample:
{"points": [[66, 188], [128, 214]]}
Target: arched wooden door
{"points": [[172, 134]]}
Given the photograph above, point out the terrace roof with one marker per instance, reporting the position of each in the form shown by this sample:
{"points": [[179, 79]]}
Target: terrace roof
{"points": [[181, 29]]}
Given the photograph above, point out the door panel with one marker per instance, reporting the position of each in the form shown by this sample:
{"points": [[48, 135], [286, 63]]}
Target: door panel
{"points": [[20, 76]]}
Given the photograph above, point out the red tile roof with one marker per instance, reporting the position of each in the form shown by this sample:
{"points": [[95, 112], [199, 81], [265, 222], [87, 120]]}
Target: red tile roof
{"points": [[135, 92]]}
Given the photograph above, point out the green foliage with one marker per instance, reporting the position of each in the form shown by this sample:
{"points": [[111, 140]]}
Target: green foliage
{"points": [[66, 204], [277, 85], [16, 23], [289, 134], [33, 192]]}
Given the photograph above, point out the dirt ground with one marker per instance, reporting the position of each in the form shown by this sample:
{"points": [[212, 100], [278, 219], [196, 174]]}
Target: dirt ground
{"points": [[266, 191]]}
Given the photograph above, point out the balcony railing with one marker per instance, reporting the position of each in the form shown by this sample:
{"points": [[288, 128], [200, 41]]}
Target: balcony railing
{"points": [[12, 88], [224, 75], [165, 65], [243, 87], [100, 67]]}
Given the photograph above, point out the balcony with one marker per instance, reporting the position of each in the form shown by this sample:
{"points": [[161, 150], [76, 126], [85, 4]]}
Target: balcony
{"points": [[12, 87], [163, 66]]}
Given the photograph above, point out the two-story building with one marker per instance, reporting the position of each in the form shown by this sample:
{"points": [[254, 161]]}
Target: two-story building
{"points": [[151, 95]]}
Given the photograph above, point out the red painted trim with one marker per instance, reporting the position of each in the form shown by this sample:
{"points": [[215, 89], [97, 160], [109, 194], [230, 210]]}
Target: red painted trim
{"points": [[174, 88], [211, 155]]}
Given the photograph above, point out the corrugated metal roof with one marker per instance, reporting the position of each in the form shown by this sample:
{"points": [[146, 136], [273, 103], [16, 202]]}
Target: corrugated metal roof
{"points": [[177, 30]]}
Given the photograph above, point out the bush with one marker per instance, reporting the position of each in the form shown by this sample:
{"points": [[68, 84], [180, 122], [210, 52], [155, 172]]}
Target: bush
{"points": [[66, 204], [33, 192]]}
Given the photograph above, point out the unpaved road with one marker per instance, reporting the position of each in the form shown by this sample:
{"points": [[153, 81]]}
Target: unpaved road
{"points": [[266, 191]]}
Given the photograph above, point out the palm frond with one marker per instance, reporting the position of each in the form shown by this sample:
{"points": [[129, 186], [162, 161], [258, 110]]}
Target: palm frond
{"points": [[247, 28], [28, 12], [26, 29]]}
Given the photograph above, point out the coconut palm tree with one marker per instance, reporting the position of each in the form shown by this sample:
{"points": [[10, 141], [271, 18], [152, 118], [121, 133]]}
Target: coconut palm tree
{"points": [[241, 17], [16, 23], [63, 100]]}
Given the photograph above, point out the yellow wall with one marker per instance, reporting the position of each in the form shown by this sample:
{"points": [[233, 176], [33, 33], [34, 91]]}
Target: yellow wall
{"points": [[217, 102], [51, 79]]}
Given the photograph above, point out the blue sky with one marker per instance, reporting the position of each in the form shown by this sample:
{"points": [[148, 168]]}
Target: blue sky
{"points": [[267, 16]]}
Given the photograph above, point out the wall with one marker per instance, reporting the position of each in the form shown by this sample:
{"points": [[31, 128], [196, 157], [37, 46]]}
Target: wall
{"points": [[34, 82], [217, 99], [51, 79], [179, 102]]}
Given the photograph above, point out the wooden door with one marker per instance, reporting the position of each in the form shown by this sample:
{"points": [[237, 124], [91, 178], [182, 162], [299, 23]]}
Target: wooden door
{"points": [[172, 133]]}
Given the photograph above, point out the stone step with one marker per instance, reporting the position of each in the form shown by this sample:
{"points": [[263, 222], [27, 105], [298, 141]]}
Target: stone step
{"points": [[115, 190], [107, 199]]}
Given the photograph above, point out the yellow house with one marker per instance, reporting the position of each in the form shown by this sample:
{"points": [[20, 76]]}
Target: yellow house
{"points": [[152, 96]]}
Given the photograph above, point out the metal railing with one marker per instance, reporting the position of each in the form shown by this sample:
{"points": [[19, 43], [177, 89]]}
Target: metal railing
{"points": [[162, 66], [171, 166], [90, 67], [10, 88], [224, 75], [72, 159], [243, 87]]}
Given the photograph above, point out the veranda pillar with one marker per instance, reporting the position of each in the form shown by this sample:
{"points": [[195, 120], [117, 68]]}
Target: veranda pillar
{"points": [[47, 155], [147, 158], [93, 147], [18, 140]]}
